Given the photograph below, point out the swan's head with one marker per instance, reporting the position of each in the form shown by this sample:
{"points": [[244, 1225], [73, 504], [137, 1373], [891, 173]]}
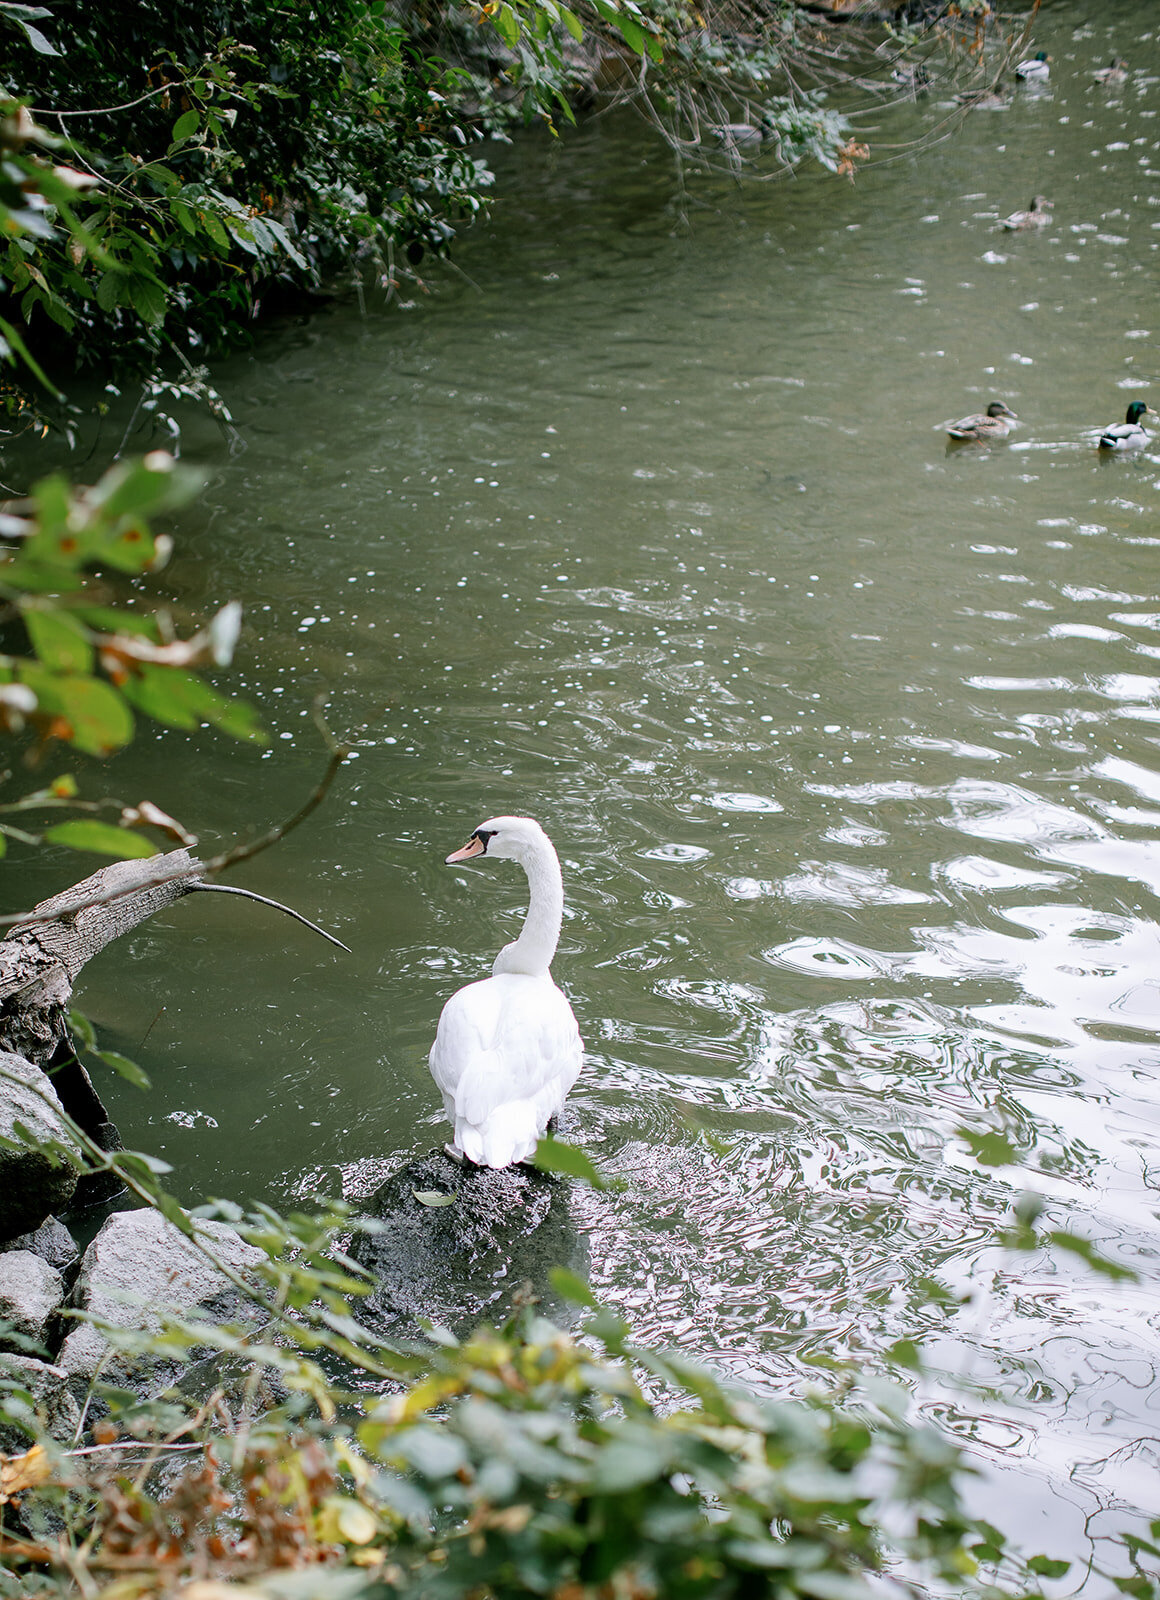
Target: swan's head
{"points": [[505, 838]]}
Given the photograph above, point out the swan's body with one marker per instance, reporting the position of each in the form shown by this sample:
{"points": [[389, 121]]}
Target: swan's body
{"points": [[508, 1049], [1036, 216], [994, 423], [1036, 69], [1129, 434]]}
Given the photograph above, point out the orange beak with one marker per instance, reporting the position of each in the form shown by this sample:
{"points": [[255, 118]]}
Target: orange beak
{"points": [[473, 847]]}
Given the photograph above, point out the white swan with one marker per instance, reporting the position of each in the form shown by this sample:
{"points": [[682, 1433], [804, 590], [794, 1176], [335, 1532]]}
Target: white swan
{"points": [[508, 1049]]}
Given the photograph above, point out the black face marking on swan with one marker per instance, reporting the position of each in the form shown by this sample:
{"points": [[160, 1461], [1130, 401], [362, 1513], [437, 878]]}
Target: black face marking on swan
{"points": [[484, 835]]}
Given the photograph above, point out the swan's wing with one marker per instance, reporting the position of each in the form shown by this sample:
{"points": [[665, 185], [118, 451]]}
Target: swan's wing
{"points": [[466, 1033], [507, 1038]]}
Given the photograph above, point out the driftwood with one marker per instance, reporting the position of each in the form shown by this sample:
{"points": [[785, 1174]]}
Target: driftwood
{"points": [[44, 952], [39, 963], [41, 957]]}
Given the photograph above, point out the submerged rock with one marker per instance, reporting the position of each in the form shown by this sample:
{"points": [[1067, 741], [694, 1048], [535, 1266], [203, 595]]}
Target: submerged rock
{"points": [[456, 1240]]}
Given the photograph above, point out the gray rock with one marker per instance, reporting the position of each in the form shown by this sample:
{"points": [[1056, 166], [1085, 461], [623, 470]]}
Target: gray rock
{"points": [[22, 1378], [453, 1261], [138, 1266], [30, 1293], [52, 1242], [31, 1186]]}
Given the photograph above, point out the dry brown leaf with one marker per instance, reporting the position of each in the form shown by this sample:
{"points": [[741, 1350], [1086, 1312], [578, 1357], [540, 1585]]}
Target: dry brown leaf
{"points": [[146, 814], [20, 1473]]}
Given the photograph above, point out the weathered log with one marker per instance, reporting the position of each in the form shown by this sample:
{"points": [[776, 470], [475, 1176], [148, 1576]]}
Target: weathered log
{"points": [[41, 957], [39, 962]]}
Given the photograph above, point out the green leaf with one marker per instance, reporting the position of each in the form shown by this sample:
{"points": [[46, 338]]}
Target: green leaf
{"points": [[101, 837], [1046, 1567], [572, 23], [183, 215], [84, 1030], [135, 488], [60, 641], [553, 1155], [570, 1286], [630, 1461], [632, 34], [128, 1069], [187, 124], [172, 1212], [1088, 1252], [506, 25], [905, 1353], [149, 299], [181, 699], [433, 1198], [105, 619], [110, 288], [213, 226], [88, 713], [990, 1149], [36, 39], [18, 345]]}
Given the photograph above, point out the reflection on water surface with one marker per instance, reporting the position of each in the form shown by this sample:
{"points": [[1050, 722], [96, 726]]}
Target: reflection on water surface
{"points": [[849, 745]]}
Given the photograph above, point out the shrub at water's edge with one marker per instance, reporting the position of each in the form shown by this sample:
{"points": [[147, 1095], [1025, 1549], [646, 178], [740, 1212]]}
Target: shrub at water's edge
{"points": [[171, 171], [525, 1461]]}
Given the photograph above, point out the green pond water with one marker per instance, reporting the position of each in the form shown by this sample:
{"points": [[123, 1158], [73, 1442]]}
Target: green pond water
{"points": [[643, 524]]}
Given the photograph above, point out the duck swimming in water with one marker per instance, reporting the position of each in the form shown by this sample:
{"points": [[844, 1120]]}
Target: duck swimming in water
{"points": [[1115, 72], [1129, 434], [1034, 70], [994, 423], [1036, 216], [992, 99], [508, 1049]]}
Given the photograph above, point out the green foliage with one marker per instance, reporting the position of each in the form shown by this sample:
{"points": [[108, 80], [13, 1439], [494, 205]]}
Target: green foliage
{"points": [[529, 1465], [207, 171], [528, 1461], [1022, 1236], [75, 668], [219, 161]]}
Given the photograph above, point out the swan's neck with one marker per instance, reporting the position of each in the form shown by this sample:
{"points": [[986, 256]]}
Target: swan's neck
{"points": [[532, 952]]}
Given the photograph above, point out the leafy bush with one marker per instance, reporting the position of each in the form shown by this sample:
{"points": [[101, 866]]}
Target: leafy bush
{"points": [[77, 666], [211, 168]]}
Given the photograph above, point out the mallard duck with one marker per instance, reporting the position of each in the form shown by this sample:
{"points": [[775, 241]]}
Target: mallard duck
{"points": [[994, 423], [992, 99], [507, 1049], [1129, 434], [1115, 72], [1035, 217], [1035, 69]]}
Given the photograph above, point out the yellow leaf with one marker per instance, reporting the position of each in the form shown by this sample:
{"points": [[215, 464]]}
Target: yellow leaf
{"points": [[20, 1473], [345, 1521]]}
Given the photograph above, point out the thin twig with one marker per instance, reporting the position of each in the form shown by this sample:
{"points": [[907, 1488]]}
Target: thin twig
{"points": [[218, 863], [103, 111]]}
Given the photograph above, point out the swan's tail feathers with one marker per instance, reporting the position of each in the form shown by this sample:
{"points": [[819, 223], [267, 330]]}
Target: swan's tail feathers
{"points": [[509, 1134]]}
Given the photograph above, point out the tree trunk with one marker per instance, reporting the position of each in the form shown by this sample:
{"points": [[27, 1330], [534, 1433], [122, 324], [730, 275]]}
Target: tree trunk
{"points": [[40, 958]]}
